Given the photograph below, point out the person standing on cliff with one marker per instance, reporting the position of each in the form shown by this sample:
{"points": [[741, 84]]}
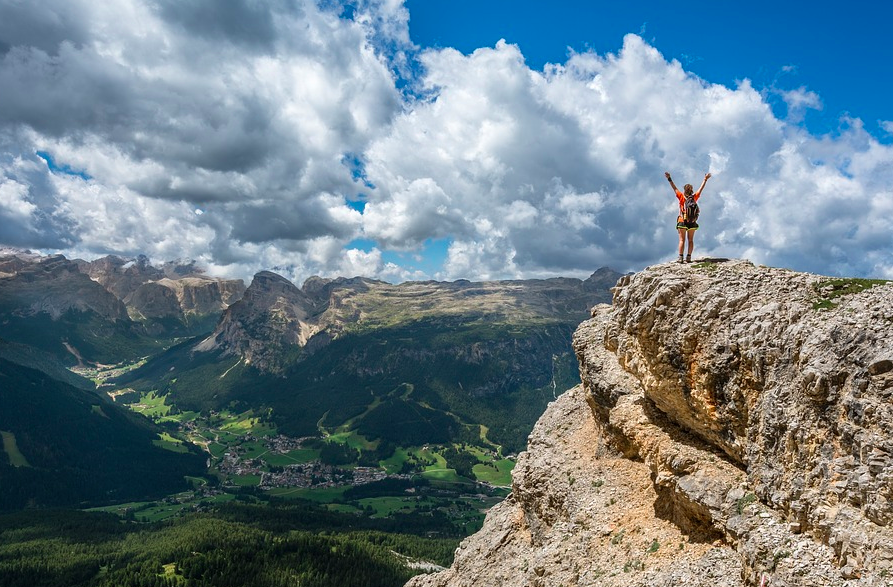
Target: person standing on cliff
{"points": [[687, 222]]}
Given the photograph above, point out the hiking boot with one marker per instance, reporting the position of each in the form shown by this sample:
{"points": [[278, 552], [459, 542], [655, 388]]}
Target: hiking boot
{"points": [[680, 259], [687, 259]]}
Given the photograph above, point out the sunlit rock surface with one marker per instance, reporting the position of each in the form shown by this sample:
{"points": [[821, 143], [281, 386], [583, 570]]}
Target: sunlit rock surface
{"points": [[734, 425]]}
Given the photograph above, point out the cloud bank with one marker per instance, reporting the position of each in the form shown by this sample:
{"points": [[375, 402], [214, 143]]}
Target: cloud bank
{"points": [[312, 139]]}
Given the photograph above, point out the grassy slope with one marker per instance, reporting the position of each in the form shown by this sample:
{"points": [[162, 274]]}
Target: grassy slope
{"points": [[29, 356], [93, 338]]}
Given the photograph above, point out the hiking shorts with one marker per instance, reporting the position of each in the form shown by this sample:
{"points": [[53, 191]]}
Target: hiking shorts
{"points": [[681, 225]]}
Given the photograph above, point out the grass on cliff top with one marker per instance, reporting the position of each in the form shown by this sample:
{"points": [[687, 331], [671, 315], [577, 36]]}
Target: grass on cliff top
{"points": [[830, 289], [708, 266]]}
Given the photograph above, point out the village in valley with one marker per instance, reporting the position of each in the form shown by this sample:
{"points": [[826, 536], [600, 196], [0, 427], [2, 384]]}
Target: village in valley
{"points": [[313, 474], [249, 459]]}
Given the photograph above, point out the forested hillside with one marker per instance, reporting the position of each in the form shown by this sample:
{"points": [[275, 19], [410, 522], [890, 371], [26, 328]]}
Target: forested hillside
{"points": [[64, 446], [245, 545]]}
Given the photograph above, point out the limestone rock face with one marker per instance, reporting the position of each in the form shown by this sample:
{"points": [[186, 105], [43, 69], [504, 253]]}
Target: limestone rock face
{"points": [[740, 417], [119, 275], [31, 284], [272, 317], [153, 300], [581, 514], [202, 295], [190, 293]]}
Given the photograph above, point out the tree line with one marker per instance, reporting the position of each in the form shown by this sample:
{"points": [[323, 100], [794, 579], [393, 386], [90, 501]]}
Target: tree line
{"points": [[238, 545]]}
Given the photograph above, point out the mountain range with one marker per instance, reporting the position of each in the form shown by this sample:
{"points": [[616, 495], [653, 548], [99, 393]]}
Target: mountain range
{"points": [[106, 311], [177, 294], [387, 360], [397, 365]]}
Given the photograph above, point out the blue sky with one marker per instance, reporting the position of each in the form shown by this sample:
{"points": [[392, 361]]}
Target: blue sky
{"points": [[426, 139], [840, 51]]}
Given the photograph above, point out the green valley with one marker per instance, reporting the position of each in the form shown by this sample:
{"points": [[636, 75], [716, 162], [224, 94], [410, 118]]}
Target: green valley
{"points": [[248, 456], [462, 376], [347, 424]]}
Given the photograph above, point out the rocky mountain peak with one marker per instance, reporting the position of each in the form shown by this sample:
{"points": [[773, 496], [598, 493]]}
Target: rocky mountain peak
{"points": [[733, 428], [266, 281], [315, 284], [603, 278], [175, 289], [320, 289], [272, 317], [119, 275], [181, 268], [269, 290]]}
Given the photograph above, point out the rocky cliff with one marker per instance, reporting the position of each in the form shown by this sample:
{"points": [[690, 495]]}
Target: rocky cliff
{"points": [[273, 317], [53, 285], [177, 290], [200, 295], [118, 275], [734, 426]]}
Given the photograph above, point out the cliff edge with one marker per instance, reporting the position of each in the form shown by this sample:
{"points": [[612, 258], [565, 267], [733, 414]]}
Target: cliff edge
{"points": [[734, 427]]}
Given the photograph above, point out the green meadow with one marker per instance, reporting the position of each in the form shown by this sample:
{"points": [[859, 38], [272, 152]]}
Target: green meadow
{"points": [[16, 458], [498, 473]]}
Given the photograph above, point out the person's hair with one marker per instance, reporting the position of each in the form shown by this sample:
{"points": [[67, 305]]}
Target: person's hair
{"points": [[688, 189]]}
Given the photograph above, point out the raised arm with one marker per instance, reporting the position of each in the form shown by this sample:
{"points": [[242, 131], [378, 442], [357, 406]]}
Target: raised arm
{"points": [[703, 183], [670, 179]]}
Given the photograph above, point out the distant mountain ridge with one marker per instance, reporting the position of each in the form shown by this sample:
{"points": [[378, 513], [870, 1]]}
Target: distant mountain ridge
{"points": [[108, 310], [383, 360], [276, 316], [53, 285], [175, 291]]}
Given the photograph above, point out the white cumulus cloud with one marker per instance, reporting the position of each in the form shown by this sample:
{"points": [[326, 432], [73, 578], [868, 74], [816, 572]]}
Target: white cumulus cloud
{"points": [[275, 135]]}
